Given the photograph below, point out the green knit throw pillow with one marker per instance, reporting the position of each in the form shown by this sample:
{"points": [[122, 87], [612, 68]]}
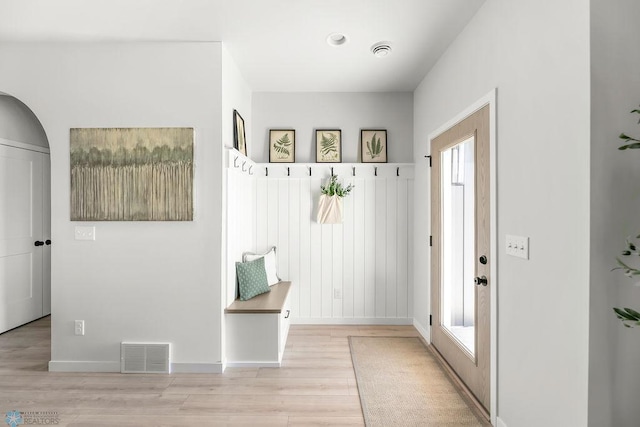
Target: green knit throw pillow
{"points": [[252, 278]]}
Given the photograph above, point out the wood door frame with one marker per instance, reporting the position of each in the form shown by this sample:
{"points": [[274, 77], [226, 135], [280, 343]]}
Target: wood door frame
{"points": [[489, 99]]}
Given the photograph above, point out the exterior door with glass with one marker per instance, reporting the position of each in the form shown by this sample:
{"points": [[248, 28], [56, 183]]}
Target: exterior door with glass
{"points": [[460, 263]]}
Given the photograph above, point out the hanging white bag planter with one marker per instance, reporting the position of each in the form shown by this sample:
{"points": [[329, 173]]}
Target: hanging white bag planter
{"points": [[330, 209]]}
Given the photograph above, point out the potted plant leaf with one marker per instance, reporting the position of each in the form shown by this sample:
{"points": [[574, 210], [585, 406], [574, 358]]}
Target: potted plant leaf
{"points": [[330, 209], [629, 316]]}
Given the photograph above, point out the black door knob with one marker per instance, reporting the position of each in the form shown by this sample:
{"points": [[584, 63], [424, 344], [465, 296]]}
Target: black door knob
{"points": [[483, 260], [482, 280], [47, 242], [39, 243]]}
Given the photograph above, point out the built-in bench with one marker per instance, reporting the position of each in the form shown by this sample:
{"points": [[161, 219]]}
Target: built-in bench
{"points": [[257, 329]]}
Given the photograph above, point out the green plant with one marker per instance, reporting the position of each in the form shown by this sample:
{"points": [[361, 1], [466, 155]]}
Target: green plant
{"points": [[282, 145], [375, 147], [628, 316], [334, 188], [329, 145]]}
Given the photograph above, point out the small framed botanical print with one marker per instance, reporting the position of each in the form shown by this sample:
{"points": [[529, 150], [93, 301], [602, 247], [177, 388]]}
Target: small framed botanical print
{"points": [[239, 139], [328, 146], [374, 145], [282, 146]]}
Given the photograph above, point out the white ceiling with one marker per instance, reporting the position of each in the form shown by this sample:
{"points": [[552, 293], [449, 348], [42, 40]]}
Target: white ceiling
{"points": [[279, 45]]}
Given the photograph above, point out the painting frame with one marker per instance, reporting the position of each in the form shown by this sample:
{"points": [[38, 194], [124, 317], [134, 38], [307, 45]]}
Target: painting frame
{"points": [[132, 174], [239, 134], [368, 152], [324, 152], [282, 149]]}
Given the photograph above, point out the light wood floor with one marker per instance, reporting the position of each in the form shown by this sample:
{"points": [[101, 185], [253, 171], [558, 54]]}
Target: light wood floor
{"points": [[315, 387]]}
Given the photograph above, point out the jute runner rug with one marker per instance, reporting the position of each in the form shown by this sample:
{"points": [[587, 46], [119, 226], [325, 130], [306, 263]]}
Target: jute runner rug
{"points": [[402, 384]]}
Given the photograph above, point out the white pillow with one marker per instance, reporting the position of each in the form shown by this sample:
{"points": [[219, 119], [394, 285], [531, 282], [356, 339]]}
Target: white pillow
{"points": [[269, 264]]}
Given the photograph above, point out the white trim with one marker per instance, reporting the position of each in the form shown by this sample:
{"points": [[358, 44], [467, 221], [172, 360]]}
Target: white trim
{"points": [[197, 368], [24, 146], [489, 99], [500, 423], [352, 321], [83, 366], [253, 364], [425, 332]]}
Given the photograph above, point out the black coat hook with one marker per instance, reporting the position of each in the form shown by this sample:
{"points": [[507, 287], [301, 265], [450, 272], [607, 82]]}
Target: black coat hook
{"points": [[332, 171], [309, 170], [398, 171], [354, 171], [266, 171], [375, 171], [288, 172]]}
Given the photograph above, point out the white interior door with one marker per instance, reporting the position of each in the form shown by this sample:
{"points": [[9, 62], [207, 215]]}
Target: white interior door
{"points": [[46, 235], [21, 226]]}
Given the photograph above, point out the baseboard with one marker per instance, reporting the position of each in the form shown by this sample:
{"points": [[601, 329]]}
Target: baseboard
{"points": [[351, 321], [197, 368], [500, 423], [82, 366], [253, 364], [422, 330]]}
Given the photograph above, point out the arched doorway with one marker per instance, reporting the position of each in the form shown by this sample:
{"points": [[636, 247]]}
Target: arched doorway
{"points": [[25, 216]]}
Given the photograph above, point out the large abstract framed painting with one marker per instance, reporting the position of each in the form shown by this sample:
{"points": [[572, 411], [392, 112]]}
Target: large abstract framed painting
{"points": [[131, 174]]}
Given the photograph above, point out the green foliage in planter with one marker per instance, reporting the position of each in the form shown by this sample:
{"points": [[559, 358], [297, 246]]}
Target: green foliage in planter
{"points": [[334, 188], [628, 316]]}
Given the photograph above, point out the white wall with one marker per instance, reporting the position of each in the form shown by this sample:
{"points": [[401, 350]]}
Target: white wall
{"points": [[614, 380], [350, 112], [18, 123], [537, 55], [139, 281]]}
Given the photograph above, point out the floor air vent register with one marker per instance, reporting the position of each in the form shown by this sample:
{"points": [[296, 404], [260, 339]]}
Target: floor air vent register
{"points": [[144, 358]]}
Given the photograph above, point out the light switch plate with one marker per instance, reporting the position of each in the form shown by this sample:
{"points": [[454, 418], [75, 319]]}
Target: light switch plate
{"points": [[517, 246], [85, 233]]}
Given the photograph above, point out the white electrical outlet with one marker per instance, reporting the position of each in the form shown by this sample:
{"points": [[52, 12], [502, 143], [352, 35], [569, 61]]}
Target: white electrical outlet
{"points": [[85, 233], [517, 246], [79, 327], [337, 294]]}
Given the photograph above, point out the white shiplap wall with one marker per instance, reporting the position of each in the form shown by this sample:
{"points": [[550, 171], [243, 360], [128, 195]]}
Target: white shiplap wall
{"points": [[365, 262]]}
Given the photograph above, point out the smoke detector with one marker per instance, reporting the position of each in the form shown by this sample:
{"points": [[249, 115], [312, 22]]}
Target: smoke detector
{"points": [[336, 39], [381, 49]]}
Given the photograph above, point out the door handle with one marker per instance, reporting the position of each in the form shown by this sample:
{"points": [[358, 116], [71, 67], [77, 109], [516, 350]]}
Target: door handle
{"points": [[39, 243], [482, 280]]}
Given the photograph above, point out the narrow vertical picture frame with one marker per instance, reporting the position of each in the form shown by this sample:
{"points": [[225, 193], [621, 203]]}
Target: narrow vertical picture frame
{"points": [[282, 146], [328, 146], [239, 136], [374, 145]]}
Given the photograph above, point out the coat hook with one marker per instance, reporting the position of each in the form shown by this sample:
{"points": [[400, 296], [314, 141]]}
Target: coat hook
{"points": [[332, 171], [235, 162], [250, 167], [309, 170], [428, 157], [354, 171], [375, 171], [288, 172], [243, 165], [398, 171], [266, 171]]}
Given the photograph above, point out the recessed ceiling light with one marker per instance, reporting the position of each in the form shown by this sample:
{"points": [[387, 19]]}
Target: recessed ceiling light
{"points": [[381, 49], [336, 39]]}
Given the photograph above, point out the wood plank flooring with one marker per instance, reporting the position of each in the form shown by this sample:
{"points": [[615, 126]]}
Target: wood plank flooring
{"points": [[316, 385]]}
